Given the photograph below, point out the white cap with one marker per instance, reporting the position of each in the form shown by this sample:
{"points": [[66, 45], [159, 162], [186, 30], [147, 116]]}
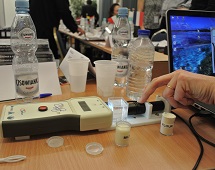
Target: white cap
{"points": [[94, 148], [55, 141]]}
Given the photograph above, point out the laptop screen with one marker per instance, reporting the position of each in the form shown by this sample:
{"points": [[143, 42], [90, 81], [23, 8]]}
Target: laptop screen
{"points": [[191, 44], [191, 41]]}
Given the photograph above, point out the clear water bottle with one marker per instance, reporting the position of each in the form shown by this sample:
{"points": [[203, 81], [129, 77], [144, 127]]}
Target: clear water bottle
{"points": [[104, 24], [141, 59], [24, 45], [92, 23], [86, 25], [121, 36], [132, 26]]}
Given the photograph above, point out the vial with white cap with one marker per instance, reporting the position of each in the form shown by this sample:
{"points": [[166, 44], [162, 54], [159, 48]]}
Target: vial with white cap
{"points": [[167, 124]]}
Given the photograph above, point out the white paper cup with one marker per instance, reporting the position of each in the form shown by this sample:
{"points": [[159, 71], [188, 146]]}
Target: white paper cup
{"points": [[167, 124], [105, 76], [78, 74]]}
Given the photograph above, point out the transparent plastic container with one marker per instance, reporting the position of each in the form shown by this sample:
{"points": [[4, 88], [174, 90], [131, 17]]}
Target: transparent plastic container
{"points": [[121, 36], [119, 107], [24, 45], [141, 59]]}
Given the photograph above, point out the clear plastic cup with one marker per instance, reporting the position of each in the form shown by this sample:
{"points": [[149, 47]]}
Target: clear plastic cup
{"points": [[78, 74], [105, 76]]}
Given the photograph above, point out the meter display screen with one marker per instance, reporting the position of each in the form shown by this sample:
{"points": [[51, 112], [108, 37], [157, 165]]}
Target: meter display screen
{"points": [[84, 106]]}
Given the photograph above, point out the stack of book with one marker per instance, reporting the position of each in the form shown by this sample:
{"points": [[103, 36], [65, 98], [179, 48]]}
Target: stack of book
{"points": [[43, 53]]}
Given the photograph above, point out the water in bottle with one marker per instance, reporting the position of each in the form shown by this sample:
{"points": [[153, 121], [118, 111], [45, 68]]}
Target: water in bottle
{"points": [[121, 36], [104, 24], [141, 58], [24, 45], [92, 23], [130, 19]]}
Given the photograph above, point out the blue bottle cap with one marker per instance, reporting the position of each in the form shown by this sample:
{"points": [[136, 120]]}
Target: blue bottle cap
{"points": [[123, 11], [22, 5], [143, 32]]}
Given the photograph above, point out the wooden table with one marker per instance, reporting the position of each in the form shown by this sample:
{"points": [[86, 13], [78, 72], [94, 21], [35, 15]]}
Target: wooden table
{"points": [[160, 60], [148, 149]]}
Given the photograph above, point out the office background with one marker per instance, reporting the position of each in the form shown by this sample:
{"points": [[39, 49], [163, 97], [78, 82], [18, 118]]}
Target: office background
{"points": [[7, 9]]}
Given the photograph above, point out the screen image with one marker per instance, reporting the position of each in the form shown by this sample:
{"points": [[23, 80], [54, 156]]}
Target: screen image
{"points": [[192, 43]]}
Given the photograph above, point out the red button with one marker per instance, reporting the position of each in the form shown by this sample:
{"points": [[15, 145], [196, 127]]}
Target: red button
{"points": [[43, 108]]}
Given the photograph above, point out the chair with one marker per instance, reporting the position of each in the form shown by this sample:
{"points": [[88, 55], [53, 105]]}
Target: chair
{"points": [[60, 43], [159, 35]]}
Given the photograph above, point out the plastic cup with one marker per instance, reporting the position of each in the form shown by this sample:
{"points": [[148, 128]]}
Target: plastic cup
{"points": [[105, 76], [78, 74], [122, 133], [167, 124], [119, 107]]}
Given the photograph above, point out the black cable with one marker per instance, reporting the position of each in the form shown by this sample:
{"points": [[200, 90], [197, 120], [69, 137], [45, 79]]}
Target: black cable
{"points": [[199, 141], [197, 138], [138, 108], [202, 138]]}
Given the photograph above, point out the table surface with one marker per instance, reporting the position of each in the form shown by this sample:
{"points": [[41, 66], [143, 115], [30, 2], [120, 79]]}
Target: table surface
{"points": [[148, 148], [101, 45]]}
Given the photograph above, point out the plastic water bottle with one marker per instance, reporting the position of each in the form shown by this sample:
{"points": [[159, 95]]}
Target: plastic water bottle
{"points": [[121, 36], [92, 23], [104, 24], [132, 26], [86, 25], [141, 58], [24, 45]]}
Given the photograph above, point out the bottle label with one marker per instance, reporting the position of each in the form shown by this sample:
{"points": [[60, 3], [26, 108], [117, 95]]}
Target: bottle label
{"points": [[123, 32], [26, 34], [27, 84], [122, 69]]}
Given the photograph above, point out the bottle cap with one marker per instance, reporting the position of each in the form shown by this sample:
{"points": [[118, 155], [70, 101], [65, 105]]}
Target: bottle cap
{"points": [[143, 32], [55, 141], [94, 148], [123, 11], [22, 5]]}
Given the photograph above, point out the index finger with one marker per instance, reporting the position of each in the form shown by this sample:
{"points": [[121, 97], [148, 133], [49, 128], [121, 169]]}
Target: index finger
{"points": [[154, 84]]}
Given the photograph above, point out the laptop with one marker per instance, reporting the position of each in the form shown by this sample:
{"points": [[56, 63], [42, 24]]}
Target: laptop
{"points": [[191, 44]]}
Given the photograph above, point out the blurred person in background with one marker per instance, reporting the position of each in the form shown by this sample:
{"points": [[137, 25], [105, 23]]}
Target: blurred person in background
{"points": [[152, 14], [207, 5], [89, 10], [46, 14], [113, 11], [172, 4]]}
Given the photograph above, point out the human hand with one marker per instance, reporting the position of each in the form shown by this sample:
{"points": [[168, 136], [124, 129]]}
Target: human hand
{"points": [[80, 31], [183, 88]]}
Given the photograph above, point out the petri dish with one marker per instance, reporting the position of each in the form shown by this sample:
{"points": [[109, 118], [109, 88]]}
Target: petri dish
{"points": [[55, 141], [94, 148]]}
